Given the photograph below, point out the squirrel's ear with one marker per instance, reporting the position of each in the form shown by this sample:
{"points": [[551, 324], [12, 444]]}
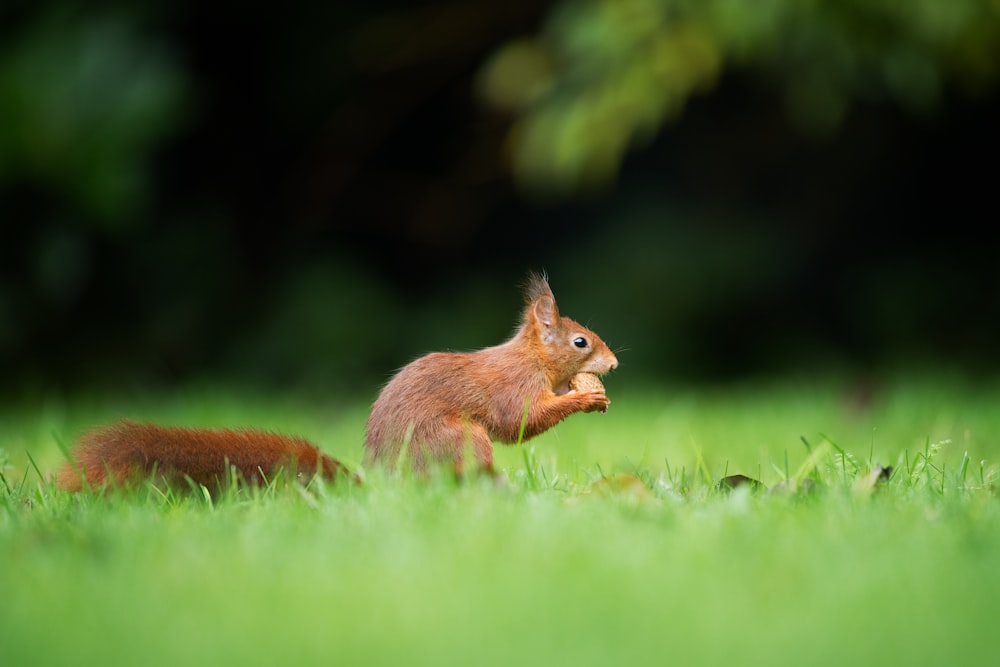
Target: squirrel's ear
{"points": [[545, 311], [542, 305], [547, 315]]}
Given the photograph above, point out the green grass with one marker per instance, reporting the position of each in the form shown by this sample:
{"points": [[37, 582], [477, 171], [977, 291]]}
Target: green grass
{"points": [[609, 543]]}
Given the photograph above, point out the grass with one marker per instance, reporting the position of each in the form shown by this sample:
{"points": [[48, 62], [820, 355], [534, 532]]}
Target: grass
{"points": [[609, 543]]}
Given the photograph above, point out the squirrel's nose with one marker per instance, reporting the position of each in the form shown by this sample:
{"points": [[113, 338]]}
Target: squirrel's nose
{"points": [[613, 365]]}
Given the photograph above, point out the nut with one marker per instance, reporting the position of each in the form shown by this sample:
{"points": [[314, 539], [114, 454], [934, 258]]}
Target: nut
{"points": [[586, 382]]}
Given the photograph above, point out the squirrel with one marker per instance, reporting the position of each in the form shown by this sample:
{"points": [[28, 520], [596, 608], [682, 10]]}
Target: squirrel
{"points": [[444, 402], [436, 406], [122, 453]]}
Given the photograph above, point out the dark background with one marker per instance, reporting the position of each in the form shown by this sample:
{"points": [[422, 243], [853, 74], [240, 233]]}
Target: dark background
{"points": [[312, 194]]}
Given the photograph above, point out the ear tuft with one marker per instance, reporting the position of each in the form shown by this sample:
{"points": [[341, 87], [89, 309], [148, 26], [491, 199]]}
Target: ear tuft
{"points": [[536, 287]]}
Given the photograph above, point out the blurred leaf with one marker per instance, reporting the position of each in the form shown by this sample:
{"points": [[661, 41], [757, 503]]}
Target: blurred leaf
{"points": [[617, 70], [83, 102], [516, 75]]}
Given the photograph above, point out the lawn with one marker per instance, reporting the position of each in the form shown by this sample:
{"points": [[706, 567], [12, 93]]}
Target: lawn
{"points": [[607, 543]]}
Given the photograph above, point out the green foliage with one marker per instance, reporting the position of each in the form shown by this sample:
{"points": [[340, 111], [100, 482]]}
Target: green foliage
{"points": [[83, 102], [604, 75]]}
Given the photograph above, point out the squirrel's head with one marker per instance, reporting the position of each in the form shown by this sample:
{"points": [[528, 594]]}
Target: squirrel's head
{"points": [[567, 346]]}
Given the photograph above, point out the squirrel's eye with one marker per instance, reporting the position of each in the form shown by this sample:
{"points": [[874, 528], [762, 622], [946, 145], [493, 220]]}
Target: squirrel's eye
{"points": [[580, 341]]}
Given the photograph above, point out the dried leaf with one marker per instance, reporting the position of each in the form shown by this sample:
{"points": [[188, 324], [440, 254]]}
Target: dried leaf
{"points": [[877, 476], [733, 481]]}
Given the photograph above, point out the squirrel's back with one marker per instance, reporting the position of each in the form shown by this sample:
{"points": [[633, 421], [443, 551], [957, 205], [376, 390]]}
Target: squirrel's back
{"points": [[123, 452]]}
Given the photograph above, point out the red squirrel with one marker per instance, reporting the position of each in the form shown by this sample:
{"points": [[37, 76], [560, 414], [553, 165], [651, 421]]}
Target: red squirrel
{"points": [[444, 402], [119, 454], [436, 405]]}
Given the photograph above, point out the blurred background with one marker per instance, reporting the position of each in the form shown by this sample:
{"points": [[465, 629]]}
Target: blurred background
{"points": [[311, 194]]}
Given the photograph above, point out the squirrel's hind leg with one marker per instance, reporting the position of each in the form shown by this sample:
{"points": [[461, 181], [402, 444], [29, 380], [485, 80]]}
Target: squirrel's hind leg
{"points": [[449, 442]]}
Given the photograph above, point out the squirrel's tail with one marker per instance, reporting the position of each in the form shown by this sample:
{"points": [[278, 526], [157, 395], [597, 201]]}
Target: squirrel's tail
{"points": [[127, 451]]}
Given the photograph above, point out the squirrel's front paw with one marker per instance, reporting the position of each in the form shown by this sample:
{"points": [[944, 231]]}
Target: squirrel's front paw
{"points": [[590, 387], [597, 402]]}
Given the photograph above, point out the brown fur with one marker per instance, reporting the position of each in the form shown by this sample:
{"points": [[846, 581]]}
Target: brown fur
{"points": [[444, 402], [121, 453]]}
